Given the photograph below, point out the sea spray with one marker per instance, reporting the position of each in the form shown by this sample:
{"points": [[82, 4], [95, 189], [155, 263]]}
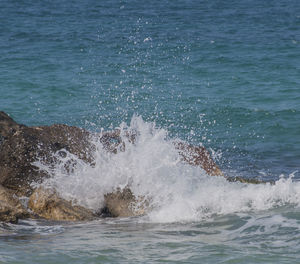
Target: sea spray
{"points": [[216, 196], [152, 168]]}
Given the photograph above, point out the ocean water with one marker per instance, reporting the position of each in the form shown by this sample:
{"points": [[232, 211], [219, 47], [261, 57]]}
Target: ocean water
{"points": [[223, 74]]}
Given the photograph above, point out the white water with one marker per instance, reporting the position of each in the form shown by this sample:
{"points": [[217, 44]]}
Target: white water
{"points": [[153, 169]]}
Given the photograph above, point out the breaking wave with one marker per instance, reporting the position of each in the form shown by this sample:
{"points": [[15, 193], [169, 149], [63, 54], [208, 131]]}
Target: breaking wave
{"points": [[152, 168]]}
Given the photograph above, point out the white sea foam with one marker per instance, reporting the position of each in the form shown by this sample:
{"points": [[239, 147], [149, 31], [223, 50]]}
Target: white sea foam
{"points": [[153, 169]]}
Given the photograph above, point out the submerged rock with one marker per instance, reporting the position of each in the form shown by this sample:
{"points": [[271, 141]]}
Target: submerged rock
{"points": [[10, 207], [48, 204]]}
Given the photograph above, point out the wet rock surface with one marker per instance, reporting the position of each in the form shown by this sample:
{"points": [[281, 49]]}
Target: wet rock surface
{"points": [[10, 207], [48, 204], [198, 156]]}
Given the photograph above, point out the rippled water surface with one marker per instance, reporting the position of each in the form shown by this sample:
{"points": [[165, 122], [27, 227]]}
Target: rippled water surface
{"points": [[224, 74], [270, 237]]}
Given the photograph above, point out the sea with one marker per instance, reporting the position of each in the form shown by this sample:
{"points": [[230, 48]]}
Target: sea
{"points": [[223, 74]]}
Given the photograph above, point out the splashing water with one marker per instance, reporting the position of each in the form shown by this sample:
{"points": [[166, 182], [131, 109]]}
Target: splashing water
{"points": [[153, 169]]}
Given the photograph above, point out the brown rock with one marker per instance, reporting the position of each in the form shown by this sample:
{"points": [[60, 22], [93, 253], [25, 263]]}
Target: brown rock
{"points": [[122, 203], [47, 204], [10, 207], [198, 156]]}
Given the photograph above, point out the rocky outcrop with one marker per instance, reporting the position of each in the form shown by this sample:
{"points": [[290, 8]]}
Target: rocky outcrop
{"points": [[10, 207], [48, 204], [21, 146]]}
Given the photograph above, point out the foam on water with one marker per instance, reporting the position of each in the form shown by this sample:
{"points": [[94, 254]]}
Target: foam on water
{"points": [[153, 169]]}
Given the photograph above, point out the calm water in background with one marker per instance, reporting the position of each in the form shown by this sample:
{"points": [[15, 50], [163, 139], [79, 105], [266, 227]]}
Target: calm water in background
{"points": [[222, 73]]}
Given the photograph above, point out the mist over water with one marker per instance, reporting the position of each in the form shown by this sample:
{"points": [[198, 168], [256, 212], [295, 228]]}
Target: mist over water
{"points": [[222, 74]]}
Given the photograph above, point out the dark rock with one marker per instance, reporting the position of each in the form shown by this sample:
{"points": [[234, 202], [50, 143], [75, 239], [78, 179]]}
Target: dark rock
{"points": [[22, 145], [7, 125]]}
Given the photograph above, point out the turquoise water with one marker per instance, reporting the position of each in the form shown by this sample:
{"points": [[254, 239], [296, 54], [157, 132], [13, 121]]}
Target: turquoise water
{"points": [[224, 74], [227, 239]]}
